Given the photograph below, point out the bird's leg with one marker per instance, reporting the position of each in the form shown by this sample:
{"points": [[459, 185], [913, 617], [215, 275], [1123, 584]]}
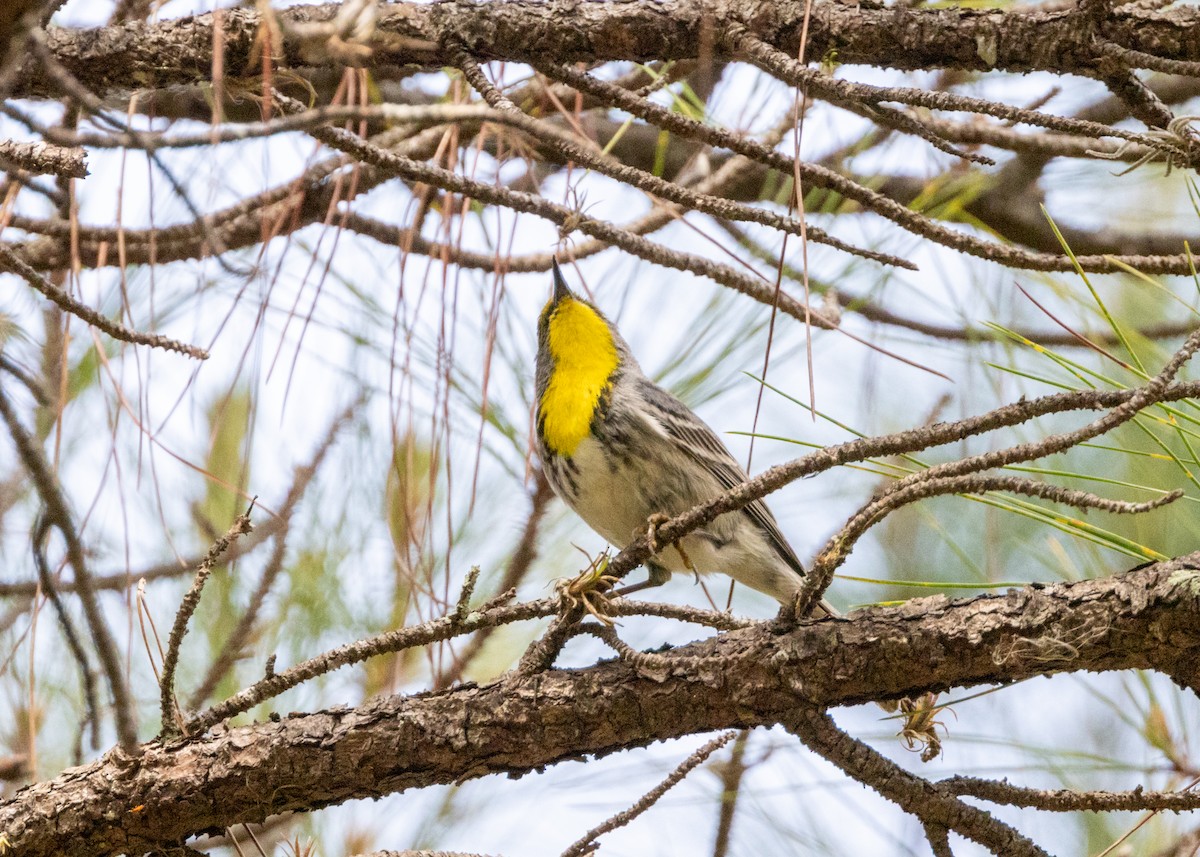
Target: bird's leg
{"points": [[658, 574], [687, 561]]}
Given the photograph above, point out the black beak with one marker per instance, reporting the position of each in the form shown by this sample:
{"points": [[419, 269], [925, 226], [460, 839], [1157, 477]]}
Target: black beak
{"points": [[561, 291]]}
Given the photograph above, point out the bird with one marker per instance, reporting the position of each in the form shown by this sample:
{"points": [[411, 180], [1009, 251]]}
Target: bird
{"points": [[625, 454]]}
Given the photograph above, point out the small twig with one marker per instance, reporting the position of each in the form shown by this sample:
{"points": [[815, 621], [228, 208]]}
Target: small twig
{"points": [[895, 497], [40, 531], [518, 566], [1140, 59], [657, 664], [464, 596], [422, 115], [1071, 800], [435, 630], [9, 261], [721, 621], [232, 648], [43, 158], [1143, 104], [731, 775], [923, 799], [170, 727], [837, 549], [422, 852], [58, 513], [587, 843], [890, 117]]}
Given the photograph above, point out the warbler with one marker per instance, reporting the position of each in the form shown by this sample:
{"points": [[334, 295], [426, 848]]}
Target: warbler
{"points": [[623, 452]]}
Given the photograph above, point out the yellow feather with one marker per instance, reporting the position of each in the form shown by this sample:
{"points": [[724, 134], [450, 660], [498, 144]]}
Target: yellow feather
{"points": [[584, 356]]}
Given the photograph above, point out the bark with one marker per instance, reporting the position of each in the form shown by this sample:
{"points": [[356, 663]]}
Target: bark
{"points": [[1148, 618], [116, 59]]}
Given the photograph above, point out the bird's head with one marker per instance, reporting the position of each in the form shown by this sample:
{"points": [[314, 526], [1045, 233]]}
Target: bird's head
{"points": [[578, 354], [571, 330]]}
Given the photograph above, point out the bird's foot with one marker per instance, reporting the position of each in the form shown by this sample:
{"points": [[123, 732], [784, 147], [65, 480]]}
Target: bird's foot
{"points": [[652, 524]]}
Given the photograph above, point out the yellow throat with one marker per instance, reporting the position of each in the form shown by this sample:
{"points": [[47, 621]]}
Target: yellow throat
{"points": [[583, 356]]}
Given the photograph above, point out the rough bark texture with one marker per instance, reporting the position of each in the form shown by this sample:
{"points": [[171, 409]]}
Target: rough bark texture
{"points": [[116, 59], [1144, 619]]}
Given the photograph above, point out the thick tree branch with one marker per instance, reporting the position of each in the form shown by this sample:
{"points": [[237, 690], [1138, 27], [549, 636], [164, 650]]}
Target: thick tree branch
{"points": [[114, 59], [1148, 618]]}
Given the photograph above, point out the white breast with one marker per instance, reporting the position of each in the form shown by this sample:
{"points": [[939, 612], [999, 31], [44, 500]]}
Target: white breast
{"points": [[611, 502]]}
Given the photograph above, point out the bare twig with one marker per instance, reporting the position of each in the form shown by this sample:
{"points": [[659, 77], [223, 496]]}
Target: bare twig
{"points": [[43, 158], [423, 852], [896, 496], [74, 643], [519, 564], [730, 774], [170, 727], [461, 607], [1072, 800], [392, 641], [1140, 59], [586, 844], [9, 261], [231, 649], [835, 551], [925, 800], [58, 513]]}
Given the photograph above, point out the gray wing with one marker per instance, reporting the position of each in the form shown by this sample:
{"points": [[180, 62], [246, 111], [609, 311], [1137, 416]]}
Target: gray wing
{"points": [[702, 443]]}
